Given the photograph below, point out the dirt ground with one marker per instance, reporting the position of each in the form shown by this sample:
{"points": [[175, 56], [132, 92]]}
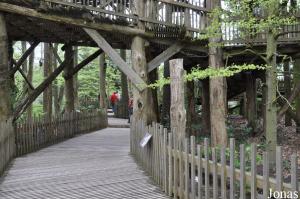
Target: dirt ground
{"points": [[287, 138]]}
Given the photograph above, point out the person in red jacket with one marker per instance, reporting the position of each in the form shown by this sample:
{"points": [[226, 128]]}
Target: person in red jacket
{"points": [[113, 100]]}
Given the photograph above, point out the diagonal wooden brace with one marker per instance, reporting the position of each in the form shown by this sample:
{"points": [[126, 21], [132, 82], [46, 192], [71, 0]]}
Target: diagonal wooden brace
{"points": [[164, 56], [137, 81]]}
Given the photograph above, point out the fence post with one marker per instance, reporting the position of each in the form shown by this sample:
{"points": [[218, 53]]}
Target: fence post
{"points": [[253, 171], [242, 174], [206, 168], [232, 169], [266, 170]]}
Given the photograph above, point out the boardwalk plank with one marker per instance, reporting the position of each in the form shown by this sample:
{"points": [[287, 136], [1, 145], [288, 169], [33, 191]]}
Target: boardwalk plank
{"points": [[96, 165]]}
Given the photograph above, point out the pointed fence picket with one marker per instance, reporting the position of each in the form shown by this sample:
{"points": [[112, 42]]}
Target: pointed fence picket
{"points": [[188, 171]]}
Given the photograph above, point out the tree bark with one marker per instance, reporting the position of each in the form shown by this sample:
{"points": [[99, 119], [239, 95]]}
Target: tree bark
{"points": [[69, 80], [143, 105], [218, 91], [5, 78], [166, 103], [55, 83], [270, 89], [177, 109], [124, 87], [76, 85], [47, 94], [251, 100], [287, 89], [190, 95], [296, 82], [102, 75], [205, 115], [30, 78]]}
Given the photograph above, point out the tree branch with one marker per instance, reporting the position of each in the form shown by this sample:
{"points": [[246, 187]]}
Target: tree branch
{"points": [[286, 105]]}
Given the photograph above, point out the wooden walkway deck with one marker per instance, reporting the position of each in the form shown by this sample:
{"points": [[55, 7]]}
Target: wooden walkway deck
{"points": [[91, 166]]}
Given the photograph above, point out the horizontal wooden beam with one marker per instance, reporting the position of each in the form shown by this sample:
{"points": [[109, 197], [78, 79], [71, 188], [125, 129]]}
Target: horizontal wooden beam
{"points": [[196, 46], [6, 7], [19, 63], [115, 57], [164, 56], [21, 108], [85, 62]]}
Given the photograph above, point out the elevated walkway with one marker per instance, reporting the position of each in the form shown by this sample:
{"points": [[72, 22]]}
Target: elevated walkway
{"points": [[93, 166]]}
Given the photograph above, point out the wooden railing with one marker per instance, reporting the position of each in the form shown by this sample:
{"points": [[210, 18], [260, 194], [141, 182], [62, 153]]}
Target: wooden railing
{"points": [[7, 144], [200, 171], [164, 17], [41, 132]]}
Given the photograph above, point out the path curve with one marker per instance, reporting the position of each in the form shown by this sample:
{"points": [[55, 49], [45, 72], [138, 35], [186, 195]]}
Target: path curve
{"points": [[91, 166]]}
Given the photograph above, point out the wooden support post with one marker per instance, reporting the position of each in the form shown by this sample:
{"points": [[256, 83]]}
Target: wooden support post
{"points": [[287, 89], [102, 75], [218, 91], [177, 110], [165, 115], [297, 81], [76, 85], [69, 83], [205, 116], [143, 104], [270, 120], [251, 100], [5, 78], [124, 87], [190, 95], [47, 94]]}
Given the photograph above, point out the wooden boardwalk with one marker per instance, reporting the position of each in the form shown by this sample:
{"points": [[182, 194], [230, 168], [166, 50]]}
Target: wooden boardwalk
{"points": [[91, 166]]}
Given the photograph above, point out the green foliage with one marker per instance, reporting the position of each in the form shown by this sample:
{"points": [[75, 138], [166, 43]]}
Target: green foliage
{"points": [[198, 73], [249, 18]]}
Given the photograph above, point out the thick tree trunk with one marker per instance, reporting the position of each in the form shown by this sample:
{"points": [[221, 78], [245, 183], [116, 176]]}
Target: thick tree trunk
{"points": [[24, 65], [177, 109], [47, 95], [270, 104], [251, 100], [76, 100], [102, 75], [190, 95], [143, 105], [287, 89], [218, 91], [124, 86], [296, 82], [30, 78], [69, 81], [5, 79], [166, 102], [55, 84], [205, 115]]}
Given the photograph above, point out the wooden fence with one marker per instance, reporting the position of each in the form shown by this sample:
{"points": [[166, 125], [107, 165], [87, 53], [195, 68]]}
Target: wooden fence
{"points": [[31, 136], [7, 144], [200, 171]]}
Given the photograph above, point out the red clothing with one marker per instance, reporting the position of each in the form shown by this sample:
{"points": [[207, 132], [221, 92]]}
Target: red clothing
{"points": [[113, 98]]}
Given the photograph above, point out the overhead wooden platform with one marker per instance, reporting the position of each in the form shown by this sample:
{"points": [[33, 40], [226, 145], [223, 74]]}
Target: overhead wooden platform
{"points": [[166, 22]]}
